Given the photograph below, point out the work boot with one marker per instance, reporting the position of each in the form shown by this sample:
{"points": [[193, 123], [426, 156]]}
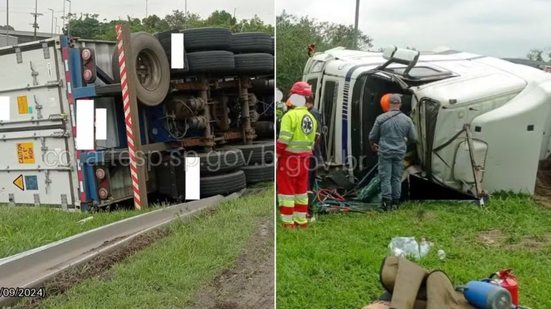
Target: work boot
{"points": [[301, 226], [289, 225], [395, 204], [386, 204]]}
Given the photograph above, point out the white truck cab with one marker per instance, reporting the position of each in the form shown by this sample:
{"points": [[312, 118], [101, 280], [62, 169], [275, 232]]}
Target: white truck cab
{"points": [[483, 123]]}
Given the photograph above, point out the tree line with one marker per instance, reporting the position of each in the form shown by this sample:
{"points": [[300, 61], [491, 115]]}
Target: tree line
{"points": [[89, 26], [295, 33]]}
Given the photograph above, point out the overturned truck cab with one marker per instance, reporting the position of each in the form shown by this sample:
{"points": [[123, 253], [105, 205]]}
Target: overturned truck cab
{"points": [[483, 123]]}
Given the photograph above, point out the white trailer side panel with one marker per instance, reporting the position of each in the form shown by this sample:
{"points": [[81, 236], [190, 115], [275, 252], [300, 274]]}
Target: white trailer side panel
{"points": [[37, 165]]}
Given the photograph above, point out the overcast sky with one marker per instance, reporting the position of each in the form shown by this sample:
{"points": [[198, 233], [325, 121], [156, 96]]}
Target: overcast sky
{"points": [[501, 28], [20, 17]]}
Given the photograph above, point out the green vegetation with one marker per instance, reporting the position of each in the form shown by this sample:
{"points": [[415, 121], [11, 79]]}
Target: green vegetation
{"points": [[90, 27], [169, 273], [295, 33], [335, 263], [24, 228]]}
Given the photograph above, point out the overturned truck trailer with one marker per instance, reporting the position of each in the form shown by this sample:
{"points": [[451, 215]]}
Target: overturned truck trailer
{"points": [[217, 108], [483, 123]]}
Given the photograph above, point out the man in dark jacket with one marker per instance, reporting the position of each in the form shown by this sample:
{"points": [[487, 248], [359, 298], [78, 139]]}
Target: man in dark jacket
{"points": [[391, 133]]}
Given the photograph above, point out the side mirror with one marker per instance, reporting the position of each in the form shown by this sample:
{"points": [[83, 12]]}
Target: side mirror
{"points": [[406, 56], [389, 52]]}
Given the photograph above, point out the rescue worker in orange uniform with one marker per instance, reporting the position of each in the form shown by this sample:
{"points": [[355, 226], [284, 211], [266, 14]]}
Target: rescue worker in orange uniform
{"points": [[296, 140]]}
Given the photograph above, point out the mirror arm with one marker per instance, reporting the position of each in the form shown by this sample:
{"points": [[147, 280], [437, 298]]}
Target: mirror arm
{"points": [[411, 65]]}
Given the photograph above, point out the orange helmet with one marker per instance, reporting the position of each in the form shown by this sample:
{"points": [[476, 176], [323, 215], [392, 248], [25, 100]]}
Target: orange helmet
{"points": [[385, 102]]}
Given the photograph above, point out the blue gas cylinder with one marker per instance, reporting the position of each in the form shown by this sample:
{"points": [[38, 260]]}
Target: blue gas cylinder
{"points": [[485, 295]]}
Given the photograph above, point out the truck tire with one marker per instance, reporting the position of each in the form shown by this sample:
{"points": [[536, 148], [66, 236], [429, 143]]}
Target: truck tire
{"points": [[214, 61], [260, 152], [263, 86], [216, 162], [223, 184], [165, 40], [264, 129], [252, 42], [201, 39], [254, 63], [153, 80], [165, 37], [178, 72], [259, 173]]}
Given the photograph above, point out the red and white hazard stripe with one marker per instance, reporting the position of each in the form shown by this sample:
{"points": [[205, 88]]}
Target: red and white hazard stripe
{"points": [[128, 120], [71, 99]]}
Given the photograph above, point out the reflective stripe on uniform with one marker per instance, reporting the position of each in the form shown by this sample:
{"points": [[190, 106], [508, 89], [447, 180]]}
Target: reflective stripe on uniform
{"points": [[300, 218], [300, 143], [286, 200], [299, 146], [299, 150], [285, 137], [301, 199], [285, 133], [287, 219], [299, 215]]}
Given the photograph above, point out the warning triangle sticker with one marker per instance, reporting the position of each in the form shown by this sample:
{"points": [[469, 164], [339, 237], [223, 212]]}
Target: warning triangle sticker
{"points": [[18, 182]]}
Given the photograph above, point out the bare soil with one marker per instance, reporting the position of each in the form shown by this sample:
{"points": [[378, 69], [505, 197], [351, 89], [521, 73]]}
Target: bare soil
{"points": [[491, 238], [496, 238], [98, 267], [532, 243], [249, 283]]}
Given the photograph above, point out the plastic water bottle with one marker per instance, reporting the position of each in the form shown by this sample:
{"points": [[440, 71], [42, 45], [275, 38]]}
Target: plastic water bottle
{"points": [[424, 247], [441, 254]]}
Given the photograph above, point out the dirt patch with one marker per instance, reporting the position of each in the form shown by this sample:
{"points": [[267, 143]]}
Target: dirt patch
{"points": [[492, 238], [532, 243], [249, 283], [98, 267], [496, 238]]}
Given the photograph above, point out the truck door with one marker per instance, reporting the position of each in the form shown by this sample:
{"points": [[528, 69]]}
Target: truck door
{"points": [[328, 107]]}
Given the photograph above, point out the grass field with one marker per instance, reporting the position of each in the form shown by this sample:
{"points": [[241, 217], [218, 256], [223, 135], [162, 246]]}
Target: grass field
{"points": [[23, 228], [335, 263], [169, 273]]}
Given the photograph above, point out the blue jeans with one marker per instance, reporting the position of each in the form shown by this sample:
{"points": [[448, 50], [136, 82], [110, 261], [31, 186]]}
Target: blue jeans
{"points": [[390, 173]]}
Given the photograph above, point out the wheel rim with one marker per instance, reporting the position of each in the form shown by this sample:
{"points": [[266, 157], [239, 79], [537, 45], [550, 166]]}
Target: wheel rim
{"points": [[148, 69]]}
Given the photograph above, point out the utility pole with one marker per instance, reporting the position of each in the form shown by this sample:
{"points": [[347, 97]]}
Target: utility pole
{"points": [[63, 16], [356, 24], [52, 29], [7, 20], [69, 19], [35, 14], [145, 8], [55, 28], [185, 8]]}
